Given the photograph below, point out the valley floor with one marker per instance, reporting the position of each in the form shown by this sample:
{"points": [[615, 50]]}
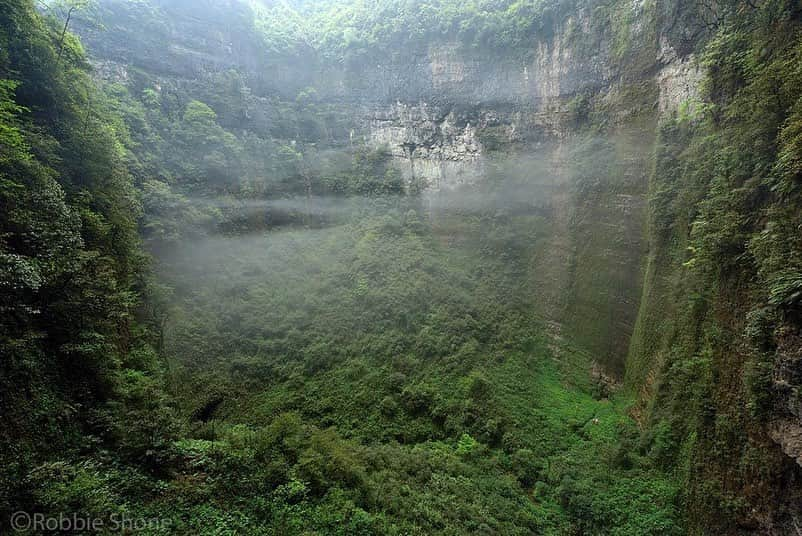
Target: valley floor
{"points": [[379, 377]]}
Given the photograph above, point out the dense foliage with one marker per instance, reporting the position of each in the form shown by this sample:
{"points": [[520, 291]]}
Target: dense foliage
{"points": [[404, 379], [341, 28], [317, 348], [73, 356], [726, 212], [353, 370]]}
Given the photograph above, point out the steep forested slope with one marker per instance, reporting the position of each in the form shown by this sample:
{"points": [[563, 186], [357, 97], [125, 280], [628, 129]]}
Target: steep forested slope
{"points": [[720, 371], [78, 371]]}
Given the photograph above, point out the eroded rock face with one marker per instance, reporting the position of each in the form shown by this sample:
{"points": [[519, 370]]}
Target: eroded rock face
{"points": [[788, 434], [431, 147], [786, 429], [447, 113], [679, 80], [443, 147]]}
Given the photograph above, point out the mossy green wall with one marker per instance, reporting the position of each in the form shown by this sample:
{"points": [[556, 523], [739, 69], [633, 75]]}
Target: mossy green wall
{"points": [[711, 358]]}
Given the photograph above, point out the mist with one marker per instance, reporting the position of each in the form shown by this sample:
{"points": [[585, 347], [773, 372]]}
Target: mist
{"points": [[400, 267]]}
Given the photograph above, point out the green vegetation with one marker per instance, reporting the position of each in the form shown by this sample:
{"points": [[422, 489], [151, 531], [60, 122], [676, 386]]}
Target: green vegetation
{"points": [[242, 324], [369, 372], [317, 355], [358, 27], [421, 393], [71, 271], [726, 211]]}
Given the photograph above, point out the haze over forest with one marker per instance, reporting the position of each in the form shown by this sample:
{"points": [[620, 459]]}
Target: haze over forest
{"points": [[401, 267]]}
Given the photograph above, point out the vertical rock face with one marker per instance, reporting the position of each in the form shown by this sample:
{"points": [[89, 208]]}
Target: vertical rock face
{"points": [[678, 79], [431, 146], [446, 112], [465, 111], [450, 116]]}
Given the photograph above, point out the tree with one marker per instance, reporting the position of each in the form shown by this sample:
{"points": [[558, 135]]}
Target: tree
{"points": [[65, 9]]}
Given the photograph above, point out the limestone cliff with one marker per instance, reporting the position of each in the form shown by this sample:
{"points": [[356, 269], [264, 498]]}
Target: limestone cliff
{"points": [[444, 111], [586, 102]]}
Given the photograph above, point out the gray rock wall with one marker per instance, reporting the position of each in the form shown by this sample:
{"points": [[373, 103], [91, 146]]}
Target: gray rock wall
{"points": [[445, 112]]}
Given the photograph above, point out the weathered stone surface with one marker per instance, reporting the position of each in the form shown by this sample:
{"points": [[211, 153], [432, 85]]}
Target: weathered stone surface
{"points": [[788, 434], [678, 79], [441, 150], [443, 111]]}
